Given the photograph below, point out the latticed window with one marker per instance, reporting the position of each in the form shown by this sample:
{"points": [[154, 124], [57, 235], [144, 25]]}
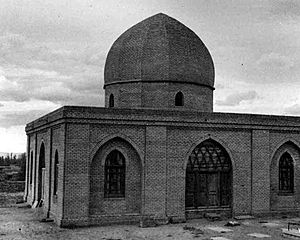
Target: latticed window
{"points": [[179, 99], [56, 165], [286, 174], [114, 182], [209, 157]]}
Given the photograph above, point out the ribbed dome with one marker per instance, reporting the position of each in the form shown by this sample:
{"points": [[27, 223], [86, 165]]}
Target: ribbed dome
{"points": [[159, 49]]}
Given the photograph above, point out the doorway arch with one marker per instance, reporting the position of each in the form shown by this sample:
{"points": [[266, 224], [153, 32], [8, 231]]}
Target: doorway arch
{"points": [[208, 177]]}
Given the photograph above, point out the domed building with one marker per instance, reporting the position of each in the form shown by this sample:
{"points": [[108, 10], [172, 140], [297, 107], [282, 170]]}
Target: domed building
{"points": [[156, 61], [157, 153]]}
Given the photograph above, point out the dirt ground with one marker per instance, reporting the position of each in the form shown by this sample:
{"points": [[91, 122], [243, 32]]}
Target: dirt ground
{"points": [[24, 223]]}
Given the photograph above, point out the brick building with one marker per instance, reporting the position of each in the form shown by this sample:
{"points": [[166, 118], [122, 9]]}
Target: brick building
{"points": [[157, 151]]}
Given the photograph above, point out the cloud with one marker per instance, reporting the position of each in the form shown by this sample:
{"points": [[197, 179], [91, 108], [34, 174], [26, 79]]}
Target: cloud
{"points": [[272, 67], [293, 110], [11, 41], [286, 8], [63, 91], [20, 72], [1, 105], [236, 98], [68, 75], [20, 118], [274, 61]]}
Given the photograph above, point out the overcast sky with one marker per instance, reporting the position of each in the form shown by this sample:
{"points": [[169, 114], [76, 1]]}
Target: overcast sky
{"points": [[52, 53]]}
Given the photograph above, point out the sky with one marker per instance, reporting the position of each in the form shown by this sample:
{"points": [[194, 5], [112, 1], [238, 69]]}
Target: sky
{"points": [[52, 53]]}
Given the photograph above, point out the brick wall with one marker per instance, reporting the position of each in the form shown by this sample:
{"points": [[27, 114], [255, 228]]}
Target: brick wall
{"points": [[181, 142], [157, 145], [155, 172], [76, 172], [58, 145], [53, 140], [31, 175], [160, 95], [260, 166]]}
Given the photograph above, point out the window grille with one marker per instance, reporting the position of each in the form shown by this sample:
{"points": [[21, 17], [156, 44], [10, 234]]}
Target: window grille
{"points": [[114, 184], [286, 174], [209, 157]]}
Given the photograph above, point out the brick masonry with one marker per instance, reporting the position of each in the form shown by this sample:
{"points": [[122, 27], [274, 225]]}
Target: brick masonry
{"points": [[154, 95], [162, 49], [156, 145]]}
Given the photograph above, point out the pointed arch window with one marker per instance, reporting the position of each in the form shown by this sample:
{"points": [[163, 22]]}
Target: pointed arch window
{"points": [[286, 174], [179, 99], [114, 175], [111, 100], [56, 165]]}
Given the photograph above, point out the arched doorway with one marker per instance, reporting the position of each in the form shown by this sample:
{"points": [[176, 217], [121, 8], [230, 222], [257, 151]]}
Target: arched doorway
{"points": [[208, 177], [41, 175]]}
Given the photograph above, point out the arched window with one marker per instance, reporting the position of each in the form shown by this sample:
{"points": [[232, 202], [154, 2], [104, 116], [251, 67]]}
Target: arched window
{"points": [[286, 174], [179, 99], [114, 179], [31, 167], [111, 100], [56, 164]]}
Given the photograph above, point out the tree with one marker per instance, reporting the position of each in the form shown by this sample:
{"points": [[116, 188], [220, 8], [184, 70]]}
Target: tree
{"points": [[22, 163], [6, 161], [1, 160]]}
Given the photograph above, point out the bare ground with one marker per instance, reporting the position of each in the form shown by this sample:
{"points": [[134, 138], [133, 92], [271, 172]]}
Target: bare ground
{"points": [[24, 223]]}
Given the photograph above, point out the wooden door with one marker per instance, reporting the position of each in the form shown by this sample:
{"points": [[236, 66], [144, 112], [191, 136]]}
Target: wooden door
{"points": [[212, 189], [202, 197], [225, 189], [208, 189]]}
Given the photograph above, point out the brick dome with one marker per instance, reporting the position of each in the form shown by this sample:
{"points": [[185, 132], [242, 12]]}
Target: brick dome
{"points": [[159, 49]]}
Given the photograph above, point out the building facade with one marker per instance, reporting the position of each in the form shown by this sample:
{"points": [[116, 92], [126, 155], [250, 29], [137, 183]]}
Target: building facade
{"points": [[157, 152]]}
